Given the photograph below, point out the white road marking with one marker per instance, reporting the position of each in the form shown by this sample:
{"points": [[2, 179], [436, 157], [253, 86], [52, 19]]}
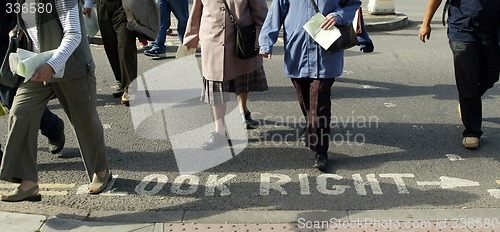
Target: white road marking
{"points": [[83, 189], [449, 182], [161, 180], [335, 189], [266, 183], [398, 180], [360, 184], [454, 157], [495, 193], [389, 105]]}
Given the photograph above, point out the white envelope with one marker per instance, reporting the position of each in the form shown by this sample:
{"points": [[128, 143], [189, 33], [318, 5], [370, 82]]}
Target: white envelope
{"points": [[184, 51], [325, 38], [26, 62]]}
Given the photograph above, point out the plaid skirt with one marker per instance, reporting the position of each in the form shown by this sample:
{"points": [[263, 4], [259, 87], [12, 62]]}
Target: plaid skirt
{"points": [[217, 92]]}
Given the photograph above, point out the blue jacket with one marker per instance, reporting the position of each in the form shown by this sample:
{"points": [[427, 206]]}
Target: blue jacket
{"points": [[304, 58]]}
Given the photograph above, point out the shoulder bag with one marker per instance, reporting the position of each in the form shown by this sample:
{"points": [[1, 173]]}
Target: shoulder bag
{"points": [[348, 37], [7, 77], [245, 38]]}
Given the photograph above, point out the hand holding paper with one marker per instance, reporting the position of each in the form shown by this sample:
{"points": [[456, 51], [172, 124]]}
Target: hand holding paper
{"points": [[325, 38], [183, 50], [25, 63]]}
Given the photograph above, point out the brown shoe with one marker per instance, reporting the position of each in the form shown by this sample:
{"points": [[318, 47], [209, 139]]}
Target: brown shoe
{"points": [[100, 183], [125, 98], [20, 195], [470, 142]]}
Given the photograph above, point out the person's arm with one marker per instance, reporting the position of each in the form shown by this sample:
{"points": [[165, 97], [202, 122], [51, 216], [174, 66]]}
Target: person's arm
{"points": [[258, 10], [425, 29], [191, 36], [69, 15], [272, 25], [342, 16]]}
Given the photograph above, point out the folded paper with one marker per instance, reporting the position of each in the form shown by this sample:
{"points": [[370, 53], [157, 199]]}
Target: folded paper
{"points": [[183, 51], [325, 38], [24, 63]]}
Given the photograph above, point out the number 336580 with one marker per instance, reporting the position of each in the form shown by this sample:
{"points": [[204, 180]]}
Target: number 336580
{"points": [[29, 8]]}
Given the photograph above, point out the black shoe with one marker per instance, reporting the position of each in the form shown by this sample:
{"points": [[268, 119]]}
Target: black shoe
{"points": [[321, 160], [248, 121], [216, 141], [56, 143], [366, 47], [118, 92]]}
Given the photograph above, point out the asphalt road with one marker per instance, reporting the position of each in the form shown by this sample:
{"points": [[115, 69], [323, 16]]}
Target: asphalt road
{"points": [[396, 140]]}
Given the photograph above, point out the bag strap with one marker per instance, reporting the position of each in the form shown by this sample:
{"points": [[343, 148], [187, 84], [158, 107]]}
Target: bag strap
{"points": [[445, 8], [315, 6], [316, 9], [230, 14], [18, 27]]}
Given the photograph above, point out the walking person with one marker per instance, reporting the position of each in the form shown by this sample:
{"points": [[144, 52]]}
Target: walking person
{"points": [[180, 8], [119, 44], [311, 69], [473, 27], [51, 126], [210, 26], [61, 30]]}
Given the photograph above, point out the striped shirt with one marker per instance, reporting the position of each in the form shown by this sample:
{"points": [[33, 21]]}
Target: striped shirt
{"points": [[69, 14]]}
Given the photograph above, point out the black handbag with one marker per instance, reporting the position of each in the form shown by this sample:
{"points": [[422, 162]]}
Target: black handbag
{"points": [[8, 78], [347, 38], [244, 38]]}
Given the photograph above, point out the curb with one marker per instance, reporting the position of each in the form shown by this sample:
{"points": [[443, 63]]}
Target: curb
{"points": [[385, 22]]}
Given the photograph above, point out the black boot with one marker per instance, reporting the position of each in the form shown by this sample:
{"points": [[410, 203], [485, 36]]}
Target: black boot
{"points": [[321, 160], [248, 121], [118, 92], [56, 143]]}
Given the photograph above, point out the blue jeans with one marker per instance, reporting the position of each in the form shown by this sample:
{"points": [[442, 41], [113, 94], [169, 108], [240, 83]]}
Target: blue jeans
{"points": [[180, 8]]}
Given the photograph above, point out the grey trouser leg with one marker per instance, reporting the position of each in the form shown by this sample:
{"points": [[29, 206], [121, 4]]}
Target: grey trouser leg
{"points": [[78, 99]]}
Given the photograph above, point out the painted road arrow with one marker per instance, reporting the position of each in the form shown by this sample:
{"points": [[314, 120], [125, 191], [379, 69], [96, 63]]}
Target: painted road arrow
{"points": [[449, 182]]}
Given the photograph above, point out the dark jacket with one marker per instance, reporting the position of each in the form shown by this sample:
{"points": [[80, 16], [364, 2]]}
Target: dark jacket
{"points": [[474, 21], [7, 23]]}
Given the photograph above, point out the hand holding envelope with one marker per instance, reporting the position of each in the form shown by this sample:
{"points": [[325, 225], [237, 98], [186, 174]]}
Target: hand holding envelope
{"points": [[24, 63], [325, 38]]}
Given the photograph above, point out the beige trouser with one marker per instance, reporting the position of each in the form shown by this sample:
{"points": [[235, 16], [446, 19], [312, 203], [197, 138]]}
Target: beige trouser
{"points": [[78, 99]]}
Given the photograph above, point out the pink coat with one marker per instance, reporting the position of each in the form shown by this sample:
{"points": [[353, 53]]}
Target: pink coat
{"points": [[210, 26]]}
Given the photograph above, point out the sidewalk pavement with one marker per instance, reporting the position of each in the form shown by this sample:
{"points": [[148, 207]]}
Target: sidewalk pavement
{"points": [[280, 221]]}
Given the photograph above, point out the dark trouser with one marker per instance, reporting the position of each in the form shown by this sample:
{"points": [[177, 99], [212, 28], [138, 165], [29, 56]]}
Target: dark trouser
{"points": [[119, 42], [476, 70], [48, 121], [314, 99]]}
